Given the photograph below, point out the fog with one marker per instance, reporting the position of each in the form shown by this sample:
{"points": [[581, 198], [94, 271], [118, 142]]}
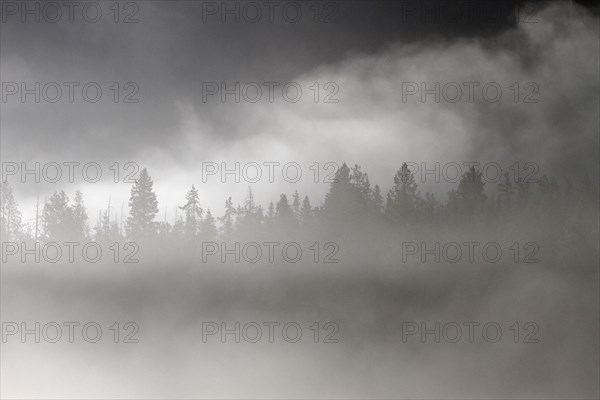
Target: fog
{"points": [[375, 122], [375, 273]]}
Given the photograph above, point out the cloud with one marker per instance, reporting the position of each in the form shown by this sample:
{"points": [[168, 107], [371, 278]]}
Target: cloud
{"points": [[554, 61]]}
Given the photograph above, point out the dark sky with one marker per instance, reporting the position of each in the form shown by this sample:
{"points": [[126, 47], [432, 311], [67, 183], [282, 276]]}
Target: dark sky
{"points": [[368, 48]]}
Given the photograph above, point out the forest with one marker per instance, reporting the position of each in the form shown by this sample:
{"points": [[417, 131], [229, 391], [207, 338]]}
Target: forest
{"points": [[353, 209]]}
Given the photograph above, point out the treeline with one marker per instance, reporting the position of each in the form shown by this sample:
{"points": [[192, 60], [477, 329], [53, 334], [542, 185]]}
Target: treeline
{"points": [[351, 204]]}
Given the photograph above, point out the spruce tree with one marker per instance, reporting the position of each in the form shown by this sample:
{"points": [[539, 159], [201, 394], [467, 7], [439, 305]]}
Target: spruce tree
{"points": [[227, 219], [209, 229], [193, 214], [143, 207], [403, 199], [506, 192], [296, 205], [270, 217], [471, 192], [377, 201], [80, 217], [249, 218], [57, 219], [285, 214], [344, 203], [306, 213], [523, 190], [10, 216]]}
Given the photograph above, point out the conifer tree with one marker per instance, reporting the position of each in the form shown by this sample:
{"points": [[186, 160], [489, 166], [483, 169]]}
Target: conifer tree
{"points": [[306, 213], [345, 202], [430, 206], [143, 207], [249, 217], [506, 192], [285, 214], [403, 199], [471, 191], [10, 216], [377, 203], [296, 205], [193, 214], [106, 229], [523, 191], [57, 218], [80, 217], [209, 228], [227, 219], [270, 217]]}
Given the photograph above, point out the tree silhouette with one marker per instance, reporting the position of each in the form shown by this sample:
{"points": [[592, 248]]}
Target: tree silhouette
{"points": [[80, 217], [208, 230], [193, 214], [270, 217], [347, 201], [227, 219], [296, 205], [107, 230], [284, 216], [403, 199], [362, 188], [334, 206], [249, 218], [377, 203], [10, 216], [470, 194], [506, 191], [57, 218], [523, 190], [143, 208], [430, 207], [306, 213], [351, 206]]}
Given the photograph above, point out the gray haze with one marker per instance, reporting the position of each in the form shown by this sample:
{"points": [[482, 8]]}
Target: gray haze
{"points": [[170, 52], [369, 53]]}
